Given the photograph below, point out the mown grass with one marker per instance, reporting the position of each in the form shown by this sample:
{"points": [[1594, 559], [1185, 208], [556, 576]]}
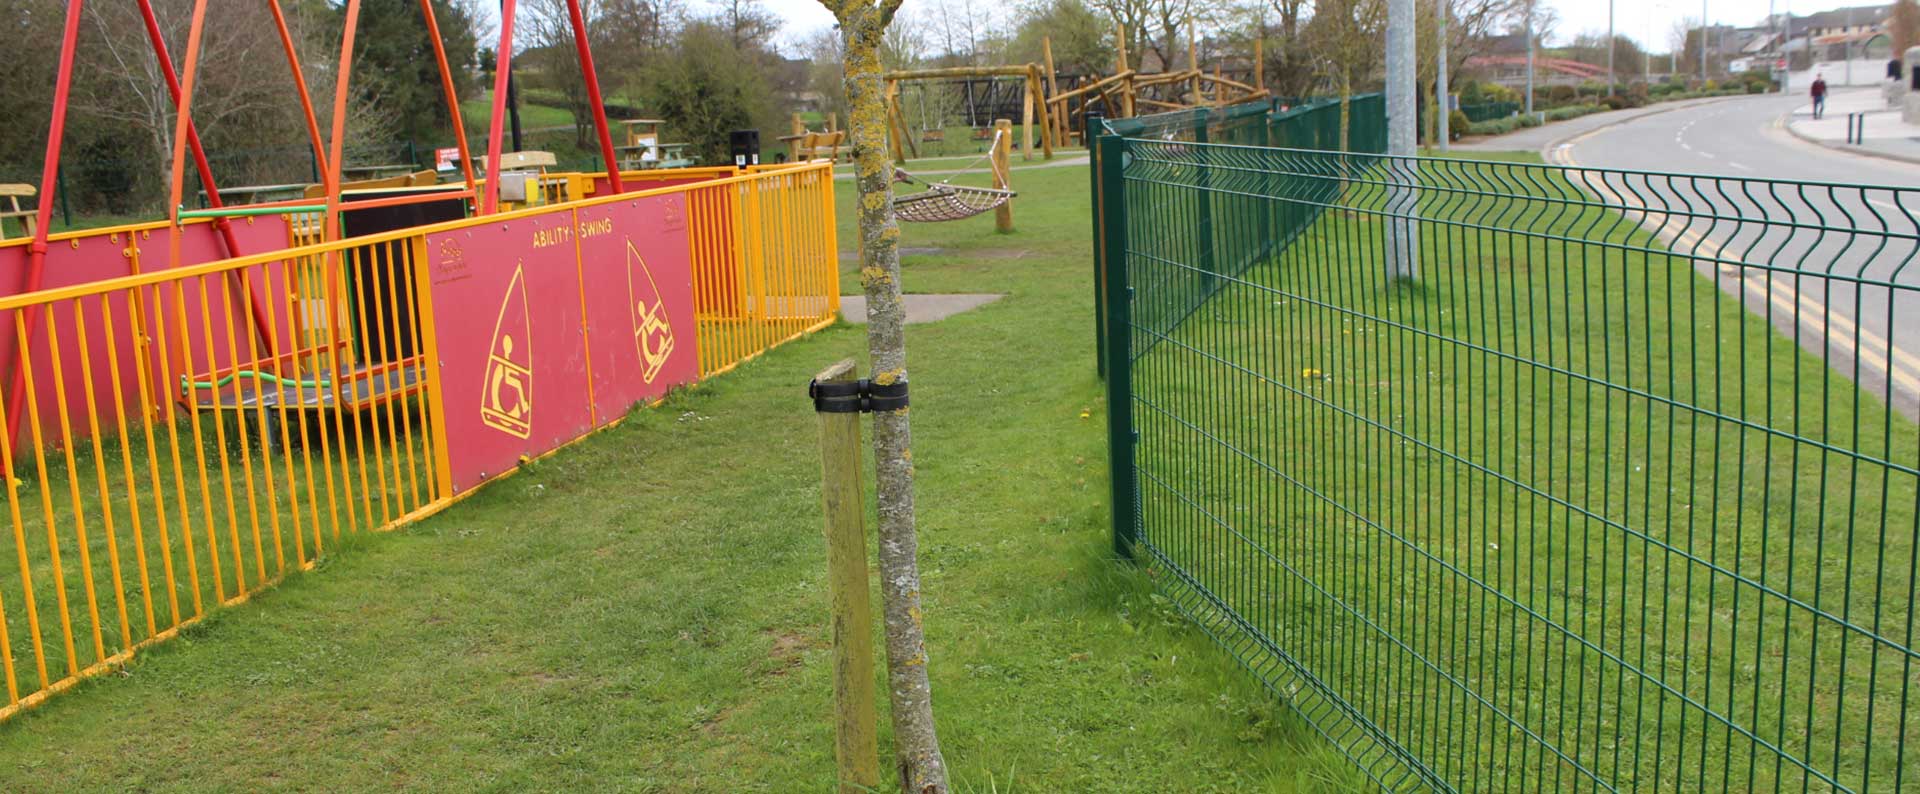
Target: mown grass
{"points": [[1559, 513], [646, 610]]}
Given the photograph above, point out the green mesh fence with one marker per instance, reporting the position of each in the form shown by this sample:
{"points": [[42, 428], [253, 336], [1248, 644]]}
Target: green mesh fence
{"points": [[1617, 492]]}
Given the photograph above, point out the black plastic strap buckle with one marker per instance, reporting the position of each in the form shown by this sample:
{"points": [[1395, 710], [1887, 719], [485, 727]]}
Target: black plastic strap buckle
{"points": [[860, 396]]}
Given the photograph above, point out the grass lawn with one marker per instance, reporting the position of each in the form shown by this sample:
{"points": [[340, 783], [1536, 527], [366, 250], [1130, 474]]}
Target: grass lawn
{"points": [[646, 610], [477, 112], [1553, 513]]}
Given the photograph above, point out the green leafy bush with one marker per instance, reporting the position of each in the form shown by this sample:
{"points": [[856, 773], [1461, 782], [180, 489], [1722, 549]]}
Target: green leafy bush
{"points": [[1457, 124]]}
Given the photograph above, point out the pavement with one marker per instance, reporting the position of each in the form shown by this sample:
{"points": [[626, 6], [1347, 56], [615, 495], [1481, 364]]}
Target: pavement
{"points": [[920, 308], [1886, 135]]}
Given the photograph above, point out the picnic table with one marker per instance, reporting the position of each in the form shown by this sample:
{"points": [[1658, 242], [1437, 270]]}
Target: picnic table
{"points": [[359, 172], [13, 194], [256, 194]]}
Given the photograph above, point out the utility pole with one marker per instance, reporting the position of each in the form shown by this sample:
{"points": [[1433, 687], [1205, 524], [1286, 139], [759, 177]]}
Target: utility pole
{"points": [[1846, 47], [1444, 104], [1402, 199], [1703, 41], [1610, 48], [1529, 35]]}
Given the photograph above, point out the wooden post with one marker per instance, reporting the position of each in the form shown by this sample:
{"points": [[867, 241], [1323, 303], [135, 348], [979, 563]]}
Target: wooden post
{"points": [[1026, 120], [1002, 173], [1048, 133], [1120, 46], [833, 122], [1053, 87], [1193, 63], [896, 130], [1259, 63], [856, 745]]}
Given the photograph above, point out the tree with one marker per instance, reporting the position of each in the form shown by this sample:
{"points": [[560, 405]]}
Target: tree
{"points": [[1903, 27], [1082, 41], [705, 88], [392, 43], [863, 26]]}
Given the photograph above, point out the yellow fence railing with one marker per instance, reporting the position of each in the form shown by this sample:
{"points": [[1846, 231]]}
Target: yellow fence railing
{"points": [[180, 439]]}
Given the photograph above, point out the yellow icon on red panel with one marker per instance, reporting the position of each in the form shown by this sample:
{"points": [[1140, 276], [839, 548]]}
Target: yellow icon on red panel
{"points": [[652, 333], [506, 398]]}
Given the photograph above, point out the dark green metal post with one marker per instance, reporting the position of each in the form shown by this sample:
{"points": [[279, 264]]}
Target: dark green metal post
{"points": [[1209, 279], [66, 210], [1087, 134], [1120, 433]]}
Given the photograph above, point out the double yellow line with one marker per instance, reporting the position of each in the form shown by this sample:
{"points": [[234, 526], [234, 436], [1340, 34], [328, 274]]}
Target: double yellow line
{"points": [[1863, 344]]}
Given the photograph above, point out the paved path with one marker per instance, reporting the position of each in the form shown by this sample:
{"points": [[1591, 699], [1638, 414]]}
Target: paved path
{"points": [[1844, 233]]}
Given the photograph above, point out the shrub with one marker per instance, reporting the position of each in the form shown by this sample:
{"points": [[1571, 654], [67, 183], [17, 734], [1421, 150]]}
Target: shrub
{"points": [[1561, 94], [1615, 102], [1529, 120], [1457, 124]]}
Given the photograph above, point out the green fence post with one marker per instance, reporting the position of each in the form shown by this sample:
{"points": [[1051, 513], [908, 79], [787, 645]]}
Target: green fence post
{"points": [[1203, 177], [1119, 299], [1087, 134]]}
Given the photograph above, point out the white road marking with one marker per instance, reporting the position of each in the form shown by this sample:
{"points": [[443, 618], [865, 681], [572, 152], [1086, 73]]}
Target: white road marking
{"points": [[1686, 147], [1887, 204], [1838, 328], [1739, 166], [1708, 155]]}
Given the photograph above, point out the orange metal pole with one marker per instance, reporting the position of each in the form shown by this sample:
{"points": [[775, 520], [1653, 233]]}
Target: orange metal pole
{"points": [[300, 82], [446, 87], [502, 66], [332, 218]]}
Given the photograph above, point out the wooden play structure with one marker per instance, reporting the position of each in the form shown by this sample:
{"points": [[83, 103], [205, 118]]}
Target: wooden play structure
{"points": [[1033, 106], [1058, 108], [1129, 91]]}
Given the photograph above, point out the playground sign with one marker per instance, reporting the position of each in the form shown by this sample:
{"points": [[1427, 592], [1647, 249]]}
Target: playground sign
{"points": [[552, 326]]}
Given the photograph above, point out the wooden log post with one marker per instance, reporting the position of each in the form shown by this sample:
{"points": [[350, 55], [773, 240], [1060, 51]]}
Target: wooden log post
{"points": [[1002, 173], [1048, 136], [856, 747], [1026, 119], [1259, 63], [1052, 89]]}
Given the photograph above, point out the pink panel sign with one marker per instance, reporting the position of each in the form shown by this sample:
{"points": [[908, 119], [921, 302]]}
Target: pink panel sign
{"points": [[512, 353], [635, 265]]}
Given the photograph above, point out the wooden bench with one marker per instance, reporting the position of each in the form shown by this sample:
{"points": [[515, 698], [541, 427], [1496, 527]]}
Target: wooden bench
{"points": [[821, 146], [13, 194], [933, 136], [983, 133]]}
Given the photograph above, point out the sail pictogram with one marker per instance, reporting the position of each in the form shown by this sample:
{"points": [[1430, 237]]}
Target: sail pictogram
{"points": [[652, 333], [506, 397]]}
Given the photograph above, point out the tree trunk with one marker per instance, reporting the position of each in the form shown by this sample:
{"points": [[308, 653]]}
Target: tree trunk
{"points": [[916, 745]]}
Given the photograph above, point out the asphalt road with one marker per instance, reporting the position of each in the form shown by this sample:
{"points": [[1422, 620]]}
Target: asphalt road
{"points": [[1834, 264]]}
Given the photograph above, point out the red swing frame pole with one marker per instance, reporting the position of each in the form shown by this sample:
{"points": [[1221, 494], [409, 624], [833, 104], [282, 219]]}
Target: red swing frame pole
{"points": [[502, 66], [593, 93], [37, 250]]}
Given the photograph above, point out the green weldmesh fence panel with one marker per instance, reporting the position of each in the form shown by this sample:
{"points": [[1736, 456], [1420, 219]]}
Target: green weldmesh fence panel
{"points": [[1618, 493]]}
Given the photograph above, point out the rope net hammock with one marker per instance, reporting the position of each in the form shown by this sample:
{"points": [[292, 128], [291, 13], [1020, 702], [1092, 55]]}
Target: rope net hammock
{"points": [[942, 201]]}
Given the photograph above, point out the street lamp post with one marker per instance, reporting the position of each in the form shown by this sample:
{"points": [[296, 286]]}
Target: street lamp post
{"points": [[1610, 47], [1529, 35]]}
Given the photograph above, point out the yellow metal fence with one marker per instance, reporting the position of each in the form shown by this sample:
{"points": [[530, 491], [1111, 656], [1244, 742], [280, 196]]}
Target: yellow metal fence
{"points": [[187, 437]]}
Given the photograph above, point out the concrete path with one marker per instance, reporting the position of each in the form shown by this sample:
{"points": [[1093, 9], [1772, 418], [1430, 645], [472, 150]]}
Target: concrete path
{"points": [[920, 308]]}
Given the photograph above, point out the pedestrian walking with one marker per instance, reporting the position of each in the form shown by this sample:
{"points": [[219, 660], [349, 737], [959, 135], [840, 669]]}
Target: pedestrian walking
{"points": [[1819, 95]]}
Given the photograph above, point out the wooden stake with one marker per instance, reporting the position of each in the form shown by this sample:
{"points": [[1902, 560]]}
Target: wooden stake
{"points": [[1193, 63], [1002, 175], [1120, 46], [856, 746]]}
